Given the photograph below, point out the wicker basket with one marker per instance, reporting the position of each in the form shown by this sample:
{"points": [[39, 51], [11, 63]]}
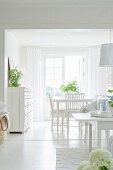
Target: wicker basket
{"points": [[2, 136], [3, 128]]}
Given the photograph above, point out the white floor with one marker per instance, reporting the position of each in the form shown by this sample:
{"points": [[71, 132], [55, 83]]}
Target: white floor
{"points": [[36, 149]]}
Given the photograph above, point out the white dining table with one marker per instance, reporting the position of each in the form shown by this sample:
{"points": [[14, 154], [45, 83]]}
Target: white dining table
{"points": [[102, 124]]}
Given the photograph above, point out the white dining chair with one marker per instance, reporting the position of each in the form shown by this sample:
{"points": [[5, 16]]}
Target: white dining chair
{"points": [[57, 114], [74, 101]]}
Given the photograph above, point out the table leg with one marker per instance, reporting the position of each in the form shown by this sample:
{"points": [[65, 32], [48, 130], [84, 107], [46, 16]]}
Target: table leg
{"points": [[57, 124], [107, 134], [62, 124], [86, 131], [90, 137], [80, 129], [98, 136], [67, 127], [57, 117]]}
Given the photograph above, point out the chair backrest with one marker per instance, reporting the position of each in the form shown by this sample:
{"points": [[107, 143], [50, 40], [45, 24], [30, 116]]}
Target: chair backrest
{"points": [[51, 103], [74, 101]]}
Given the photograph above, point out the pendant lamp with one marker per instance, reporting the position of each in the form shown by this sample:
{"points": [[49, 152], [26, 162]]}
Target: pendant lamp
{"points": [[106, 58]]}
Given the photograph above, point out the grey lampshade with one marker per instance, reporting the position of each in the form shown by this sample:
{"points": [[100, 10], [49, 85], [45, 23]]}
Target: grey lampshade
{"points": [[106, 58]]}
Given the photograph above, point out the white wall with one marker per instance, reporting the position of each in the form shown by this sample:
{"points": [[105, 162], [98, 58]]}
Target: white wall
{"points": [[2, 66], [12, 50]]}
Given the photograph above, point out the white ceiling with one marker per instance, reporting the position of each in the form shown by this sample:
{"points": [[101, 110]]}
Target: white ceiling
{"points": [[62, 37]]}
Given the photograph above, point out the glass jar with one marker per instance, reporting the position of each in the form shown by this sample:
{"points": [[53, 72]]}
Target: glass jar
{"points": [[101, 103]]}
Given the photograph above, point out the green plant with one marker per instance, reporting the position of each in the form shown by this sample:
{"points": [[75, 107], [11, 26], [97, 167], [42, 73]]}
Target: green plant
{"points": [[110, 91], [14, 77], [70, 87], [110, 101]]}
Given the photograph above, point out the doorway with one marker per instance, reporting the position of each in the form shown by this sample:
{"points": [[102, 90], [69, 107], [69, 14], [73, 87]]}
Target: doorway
{"points": [[49, 58]]}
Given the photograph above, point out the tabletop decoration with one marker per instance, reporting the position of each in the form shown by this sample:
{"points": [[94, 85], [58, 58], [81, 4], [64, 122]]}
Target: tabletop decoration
{"points": [[99, 159]]}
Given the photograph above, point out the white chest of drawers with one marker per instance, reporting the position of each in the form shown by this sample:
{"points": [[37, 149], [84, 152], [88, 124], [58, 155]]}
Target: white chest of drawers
{"points": [[20, 104]]}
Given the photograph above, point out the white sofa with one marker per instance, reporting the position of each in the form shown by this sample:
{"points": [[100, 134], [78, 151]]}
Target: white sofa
{"points": [[89, 107]]}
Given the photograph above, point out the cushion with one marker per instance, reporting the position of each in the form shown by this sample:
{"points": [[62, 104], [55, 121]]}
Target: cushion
{"points": [[89, 107]]}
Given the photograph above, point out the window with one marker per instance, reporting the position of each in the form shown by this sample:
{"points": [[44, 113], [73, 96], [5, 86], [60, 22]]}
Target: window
{"points": [[61, 70], [73, 69], [54, 75]]}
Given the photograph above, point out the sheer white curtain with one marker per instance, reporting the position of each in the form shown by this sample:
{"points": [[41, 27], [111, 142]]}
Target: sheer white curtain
{"points": [[95, 76], [34, 78]]}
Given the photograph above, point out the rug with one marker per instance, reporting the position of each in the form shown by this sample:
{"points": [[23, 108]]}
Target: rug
{"points": [[69, 158]]}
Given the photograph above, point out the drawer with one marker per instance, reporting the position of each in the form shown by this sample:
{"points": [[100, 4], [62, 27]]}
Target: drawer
{"points": [[28, 94], [28, 109], [28, 102], [26, 127], [26, 119]]}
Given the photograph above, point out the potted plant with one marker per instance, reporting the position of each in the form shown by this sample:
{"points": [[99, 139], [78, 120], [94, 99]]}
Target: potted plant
{"points": [[14, 77], [70, 87]]}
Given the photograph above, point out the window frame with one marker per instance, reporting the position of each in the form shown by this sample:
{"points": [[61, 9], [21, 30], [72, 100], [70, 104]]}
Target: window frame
{"points": [[63, 68]]}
